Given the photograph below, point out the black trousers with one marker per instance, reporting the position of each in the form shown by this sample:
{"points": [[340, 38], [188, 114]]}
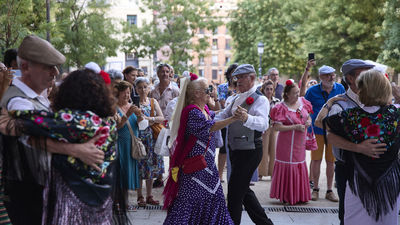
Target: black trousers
{"points": [[25, 203], [222, 150], [340, 177], [244, 163]]}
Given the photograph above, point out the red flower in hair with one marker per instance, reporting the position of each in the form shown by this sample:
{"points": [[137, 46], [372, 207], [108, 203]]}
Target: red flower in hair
{"points": [[387, 76], [289, 82], [105, 76], [193, 76], [249, 100]]}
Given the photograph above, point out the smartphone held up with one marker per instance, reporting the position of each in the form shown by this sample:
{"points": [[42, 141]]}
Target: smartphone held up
{"points": [[311, 56]]}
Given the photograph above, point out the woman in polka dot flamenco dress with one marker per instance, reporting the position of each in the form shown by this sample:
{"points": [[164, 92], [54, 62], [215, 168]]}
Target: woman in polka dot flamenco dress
{"points": [[193, 193]]}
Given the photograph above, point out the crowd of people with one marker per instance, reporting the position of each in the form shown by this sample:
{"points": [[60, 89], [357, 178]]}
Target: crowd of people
{"points": [[73, 147]]}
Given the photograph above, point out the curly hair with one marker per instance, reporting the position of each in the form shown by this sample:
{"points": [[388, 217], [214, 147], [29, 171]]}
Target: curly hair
{"points": [[120, 87], [85, 90]]}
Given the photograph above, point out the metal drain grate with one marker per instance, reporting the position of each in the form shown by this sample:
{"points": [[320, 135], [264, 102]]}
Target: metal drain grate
{"points": [[301, 209], [148, 207], [273, 209]]}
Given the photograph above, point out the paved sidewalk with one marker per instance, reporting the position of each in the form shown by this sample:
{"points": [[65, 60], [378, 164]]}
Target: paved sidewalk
{"points": [[156, 217], [261, 189]]}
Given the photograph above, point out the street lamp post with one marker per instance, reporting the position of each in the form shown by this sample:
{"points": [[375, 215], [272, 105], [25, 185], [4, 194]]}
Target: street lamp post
{"points": [[260, 49]]}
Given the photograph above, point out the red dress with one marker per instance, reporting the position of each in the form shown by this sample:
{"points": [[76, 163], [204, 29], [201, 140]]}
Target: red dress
{"points": [[290, 181]]}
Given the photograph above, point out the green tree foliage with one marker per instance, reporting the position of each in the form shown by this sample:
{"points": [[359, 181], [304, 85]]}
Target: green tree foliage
{"points": [[391, 33], [19, 18], [175, 24], [338, 30], [84, 33], [274, 23]]}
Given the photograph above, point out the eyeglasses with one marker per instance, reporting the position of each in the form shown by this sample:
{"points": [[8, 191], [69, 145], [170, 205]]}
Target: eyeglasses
{"points": [[240, 76]]}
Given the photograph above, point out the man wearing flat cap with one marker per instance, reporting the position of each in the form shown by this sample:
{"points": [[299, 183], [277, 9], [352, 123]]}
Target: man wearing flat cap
{"points": [[245, 144], [351, 69], [28, 169], [318, 95]]}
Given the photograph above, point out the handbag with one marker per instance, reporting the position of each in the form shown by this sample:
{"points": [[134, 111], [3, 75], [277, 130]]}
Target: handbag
{"points": [[311, 140], [138, 150], [195, 163], [155, 127], [161, 146]]}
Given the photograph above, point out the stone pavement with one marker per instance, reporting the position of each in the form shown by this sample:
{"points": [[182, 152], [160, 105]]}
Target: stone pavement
{"points": [[321, 212]]}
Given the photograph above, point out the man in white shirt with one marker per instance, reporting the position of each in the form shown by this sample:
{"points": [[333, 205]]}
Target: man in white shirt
{"points": [[163, 92], [28, 168], [245, 144]]}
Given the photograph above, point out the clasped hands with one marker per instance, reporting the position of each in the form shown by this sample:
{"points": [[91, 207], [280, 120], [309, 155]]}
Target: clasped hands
{"points": [[240, 114]]}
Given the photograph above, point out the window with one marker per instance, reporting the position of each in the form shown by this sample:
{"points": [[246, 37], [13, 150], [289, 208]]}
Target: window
{"points": [[227, 59], [201, 73], [130, 56], [201, 61], [215, 60], [214, 74], [227, 44], [215, 31], [201, 30], [215, 43], [131, 19]]}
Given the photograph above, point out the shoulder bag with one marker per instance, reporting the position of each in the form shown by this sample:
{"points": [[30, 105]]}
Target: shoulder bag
{"points": [[138, 150], [195, 163], [155, 127]]}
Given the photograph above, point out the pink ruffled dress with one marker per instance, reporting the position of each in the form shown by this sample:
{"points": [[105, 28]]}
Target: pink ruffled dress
{"points": [[290, 181]]}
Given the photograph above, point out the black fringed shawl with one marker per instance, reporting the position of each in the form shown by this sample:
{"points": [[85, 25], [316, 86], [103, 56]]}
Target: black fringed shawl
{"points": [[375, 181]]}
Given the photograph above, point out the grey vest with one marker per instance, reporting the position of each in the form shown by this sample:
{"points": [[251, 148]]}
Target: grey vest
{"points": [[21, 162], [239, 136], [344, 104], [13, 92]]}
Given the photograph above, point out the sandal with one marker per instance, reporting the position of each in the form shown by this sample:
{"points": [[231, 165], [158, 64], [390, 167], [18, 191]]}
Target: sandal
{"points": [[151, 201], [141, 202]]}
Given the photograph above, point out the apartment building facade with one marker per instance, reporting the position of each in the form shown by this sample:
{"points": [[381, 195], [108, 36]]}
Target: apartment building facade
{"points": [[129, 11], [219, 54]]}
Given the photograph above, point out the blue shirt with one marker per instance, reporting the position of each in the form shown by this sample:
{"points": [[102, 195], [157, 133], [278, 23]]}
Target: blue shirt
{"points": [[223, 91], [318, 98], [279, 91]]}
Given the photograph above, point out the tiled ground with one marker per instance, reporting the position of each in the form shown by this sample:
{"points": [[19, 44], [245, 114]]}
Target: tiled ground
{"points": [[156, 217], [261, 188]]}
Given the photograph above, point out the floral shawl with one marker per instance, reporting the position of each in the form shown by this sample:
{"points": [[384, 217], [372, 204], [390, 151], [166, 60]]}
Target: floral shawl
{"points": [[375, 181], [75, 126]]}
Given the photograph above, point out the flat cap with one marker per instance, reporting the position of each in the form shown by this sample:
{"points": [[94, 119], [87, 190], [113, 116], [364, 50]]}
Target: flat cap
{"points": [[352, 64], [326, 70], [36, 49], [244, 69]]}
